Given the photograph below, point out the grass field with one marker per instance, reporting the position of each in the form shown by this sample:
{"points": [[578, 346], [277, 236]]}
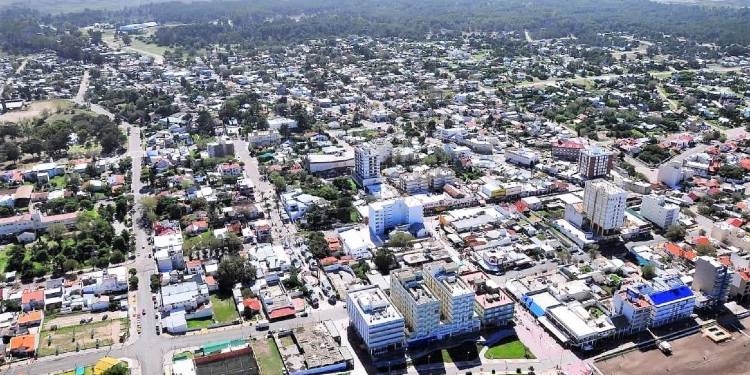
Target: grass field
{"points": [[199, 323], [224, 309], [66, 339], [148, 47], [511, 348], [35, 109], [268, 357]]}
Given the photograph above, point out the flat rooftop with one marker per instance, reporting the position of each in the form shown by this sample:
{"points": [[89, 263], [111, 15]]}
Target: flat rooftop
{"points": [[374, 306]]}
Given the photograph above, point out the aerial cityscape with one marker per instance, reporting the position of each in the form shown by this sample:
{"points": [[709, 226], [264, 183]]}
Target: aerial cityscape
{"points": [[314, 187]]}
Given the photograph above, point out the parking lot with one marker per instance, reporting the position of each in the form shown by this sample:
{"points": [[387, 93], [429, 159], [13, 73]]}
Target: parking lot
{"points": [[694, 354]]}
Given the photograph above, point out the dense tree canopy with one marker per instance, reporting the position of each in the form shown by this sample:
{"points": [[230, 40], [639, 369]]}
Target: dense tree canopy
{"points": [[269, 21]]}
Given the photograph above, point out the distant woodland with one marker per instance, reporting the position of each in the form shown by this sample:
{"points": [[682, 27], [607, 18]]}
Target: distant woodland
{"points": [[264, 22]]}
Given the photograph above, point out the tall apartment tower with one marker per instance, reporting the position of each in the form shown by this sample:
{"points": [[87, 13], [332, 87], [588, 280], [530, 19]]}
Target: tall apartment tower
{"points": [[713, 279], [604, 205], [594, 162], [366, 165]]}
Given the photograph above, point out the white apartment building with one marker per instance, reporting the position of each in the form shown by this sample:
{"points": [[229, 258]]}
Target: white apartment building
{"points": [[671, 174], [366, 165], [379, 324], [455, 296], [412, 183], [661, 302], [594, 162], [391, 213], [656, 210], [712, 279], [263, 138], [419, 306], [604, 205], [456, 133]]}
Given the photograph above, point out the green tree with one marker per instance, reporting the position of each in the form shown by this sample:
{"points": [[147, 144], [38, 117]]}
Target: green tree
{"points": [[233, 270], [382, 260], [133, 282], [400, 239], [648, 272], [118, 369], [675, 232]]}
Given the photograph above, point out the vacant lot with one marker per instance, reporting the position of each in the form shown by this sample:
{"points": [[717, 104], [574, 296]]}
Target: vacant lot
{"points": [[224, 309], [35, 109], [80, 337], [694, 354], [268, 357]]}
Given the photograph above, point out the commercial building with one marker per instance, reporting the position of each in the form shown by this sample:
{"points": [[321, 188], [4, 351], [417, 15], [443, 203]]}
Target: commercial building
{"points": [[712, 279], [492, 305], [387, 215], [579, 327], [657, 210], [521, 156], [379, 324], [339, 162], [594, 162], [366, 165], [604, 205]]}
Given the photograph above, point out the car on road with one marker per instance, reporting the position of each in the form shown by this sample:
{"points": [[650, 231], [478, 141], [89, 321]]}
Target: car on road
{"points": [[143, 312]]}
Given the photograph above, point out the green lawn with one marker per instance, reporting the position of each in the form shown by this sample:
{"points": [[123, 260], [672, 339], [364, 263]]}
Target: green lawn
{"points": [[510, 348], [57, 182], [3, 259], [267, 355], [148, 47], [199, 323], [224, 309]]}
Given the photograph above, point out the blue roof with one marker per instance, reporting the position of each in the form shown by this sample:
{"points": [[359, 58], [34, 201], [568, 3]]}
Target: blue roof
{"points": [[660, 298]]}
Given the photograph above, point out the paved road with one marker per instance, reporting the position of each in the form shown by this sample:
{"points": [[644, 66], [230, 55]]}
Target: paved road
{"points": [[82, 89]]}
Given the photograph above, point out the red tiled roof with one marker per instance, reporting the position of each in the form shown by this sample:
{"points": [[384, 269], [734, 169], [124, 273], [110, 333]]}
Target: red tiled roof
{"points": [[283, 312], [327, 261], [702, 240], [31, 316], [725, 260], [32, 295], [680, 252], [23, 343], [252, 304], [735, 221]]}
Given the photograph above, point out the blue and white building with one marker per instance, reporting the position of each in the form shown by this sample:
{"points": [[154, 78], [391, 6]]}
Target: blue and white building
{"points": [[661, 302]]}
